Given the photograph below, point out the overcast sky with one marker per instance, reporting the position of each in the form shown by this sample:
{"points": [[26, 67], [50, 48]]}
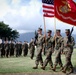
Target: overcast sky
{"points": [[26, 16]]}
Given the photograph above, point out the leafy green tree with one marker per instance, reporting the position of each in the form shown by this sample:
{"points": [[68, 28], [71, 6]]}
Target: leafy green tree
{"points": [[7, 32]]}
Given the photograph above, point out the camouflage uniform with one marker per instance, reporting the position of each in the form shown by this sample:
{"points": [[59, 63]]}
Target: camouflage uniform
{"points": [[58, 49], [39, 50], [7, 48], [49, 42], [2, 50], [44, 48], [25, 48], [12, 47], [32, 49], [20, 48], [17, 49], [68, 50]]}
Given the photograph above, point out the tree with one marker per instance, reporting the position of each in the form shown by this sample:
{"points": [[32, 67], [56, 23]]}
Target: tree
{"points": [[14, 34], [7, 32]]}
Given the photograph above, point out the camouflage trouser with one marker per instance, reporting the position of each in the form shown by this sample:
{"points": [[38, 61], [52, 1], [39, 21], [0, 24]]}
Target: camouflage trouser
{"points": [[39, 57], [11, 52], [68, 63], [17, 52], [7, 52], [2, 52], [20, 52], [32, 53], [58, 58], [48, 58], [25, 52]]}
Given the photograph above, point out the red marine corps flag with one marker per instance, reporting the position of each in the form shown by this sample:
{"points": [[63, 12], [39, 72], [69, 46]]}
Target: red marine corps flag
{"points": [[65, 10]]}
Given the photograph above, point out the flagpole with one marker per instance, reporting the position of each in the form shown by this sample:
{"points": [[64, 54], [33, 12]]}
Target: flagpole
{"points": [[54, 25], [55, 29], [45, 31], [44, 25]]}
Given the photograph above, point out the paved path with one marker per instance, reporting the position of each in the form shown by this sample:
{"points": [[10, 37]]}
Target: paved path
{"points": [[42, 73], [60, 73]]}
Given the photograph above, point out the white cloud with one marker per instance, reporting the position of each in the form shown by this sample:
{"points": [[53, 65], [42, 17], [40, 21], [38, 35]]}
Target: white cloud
{"points": [[15, 2], [31, 10], [27, 17], [4, 8], [24, 31]]}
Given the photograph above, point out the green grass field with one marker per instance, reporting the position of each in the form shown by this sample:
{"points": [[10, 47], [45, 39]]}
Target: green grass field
{"points": [[25, 64]]}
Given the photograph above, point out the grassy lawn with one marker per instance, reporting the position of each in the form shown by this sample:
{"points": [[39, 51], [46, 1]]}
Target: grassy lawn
{"points": [[25, 64]]}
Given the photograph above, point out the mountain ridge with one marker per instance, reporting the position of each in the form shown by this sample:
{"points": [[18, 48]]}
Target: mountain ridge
{"points": [[27, 36]]}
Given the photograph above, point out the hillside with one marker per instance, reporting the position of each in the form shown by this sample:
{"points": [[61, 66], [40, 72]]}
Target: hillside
{"points": [[28, 36]]}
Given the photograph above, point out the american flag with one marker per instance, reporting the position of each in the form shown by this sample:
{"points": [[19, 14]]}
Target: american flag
{"points": [[48, 8]]}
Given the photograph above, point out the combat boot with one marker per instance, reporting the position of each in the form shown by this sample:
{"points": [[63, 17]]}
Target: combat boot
{"points": [[41, 64], [31, 57], [61, 68], [51, 67], [71, 71], [43, 68], [54, 68], [64, 71], [36, 67]]}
